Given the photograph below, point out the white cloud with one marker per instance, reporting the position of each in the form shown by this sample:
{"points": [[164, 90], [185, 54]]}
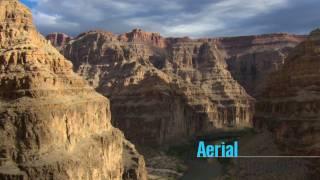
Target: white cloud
{"points": [[218, 16], [42, 19]]}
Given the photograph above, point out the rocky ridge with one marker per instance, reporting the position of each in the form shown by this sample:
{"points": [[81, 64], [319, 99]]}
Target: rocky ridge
{"points": [[53, 125]]}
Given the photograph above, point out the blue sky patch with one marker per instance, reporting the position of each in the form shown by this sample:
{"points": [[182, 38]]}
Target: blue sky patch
{"points": [[29, 3]]}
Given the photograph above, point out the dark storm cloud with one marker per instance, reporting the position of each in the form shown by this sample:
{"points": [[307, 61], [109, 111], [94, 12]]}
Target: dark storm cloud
{"points": [[194, 18]]}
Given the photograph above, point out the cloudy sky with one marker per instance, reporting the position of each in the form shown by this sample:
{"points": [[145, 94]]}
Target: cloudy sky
{"points": [[195, 18]]}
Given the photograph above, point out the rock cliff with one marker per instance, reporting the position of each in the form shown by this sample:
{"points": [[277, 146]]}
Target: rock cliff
{"points": [[53, 125], [58, 40], [290, 103], [161, 90]]}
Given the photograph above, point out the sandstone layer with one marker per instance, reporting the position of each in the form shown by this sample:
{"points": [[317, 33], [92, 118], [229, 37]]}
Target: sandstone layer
{"points": [[290, 103], [161, 90], [53, 125]]}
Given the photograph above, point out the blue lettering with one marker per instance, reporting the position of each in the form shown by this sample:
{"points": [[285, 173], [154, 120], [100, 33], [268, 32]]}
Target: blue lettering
{"points": [[210, 151], [201, 150]]}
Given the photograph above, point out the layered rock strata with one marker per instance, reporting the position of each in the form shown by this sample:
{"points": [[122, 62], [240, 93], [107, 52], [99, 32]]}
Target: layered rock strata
{"points": [[161, 90], [53, 125]]}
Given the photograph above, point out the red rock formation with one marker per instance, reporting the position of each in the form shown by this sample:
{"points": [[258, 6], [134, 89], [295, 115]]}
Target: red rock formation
{"points": [[139, 36]]}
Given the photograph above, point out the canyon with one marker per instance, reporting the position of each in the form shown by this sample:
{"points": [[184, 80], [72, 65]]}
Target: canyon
{"points": [[167, 89], [53, 125], [164, 91], [161, 90], [62, 99]]}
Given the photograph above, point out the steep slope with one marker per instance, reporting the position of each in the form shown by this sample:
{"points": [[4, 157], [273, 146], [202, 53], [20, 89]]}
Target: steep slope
{"points": [[52, 124], [150, 101], [291, 100]]}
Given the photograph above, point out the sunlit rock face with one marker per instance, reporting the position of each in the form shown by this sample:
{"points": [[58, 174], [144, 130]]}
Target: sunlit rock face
{"points": [[290, 103], [53, 125], [161, 90]]}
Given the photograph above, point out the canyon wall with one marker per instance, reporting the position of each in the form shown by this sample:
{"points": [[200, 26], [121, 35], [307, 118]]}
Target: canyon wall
{"points": [[290, 103], [161, 90], [53, 125]]}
